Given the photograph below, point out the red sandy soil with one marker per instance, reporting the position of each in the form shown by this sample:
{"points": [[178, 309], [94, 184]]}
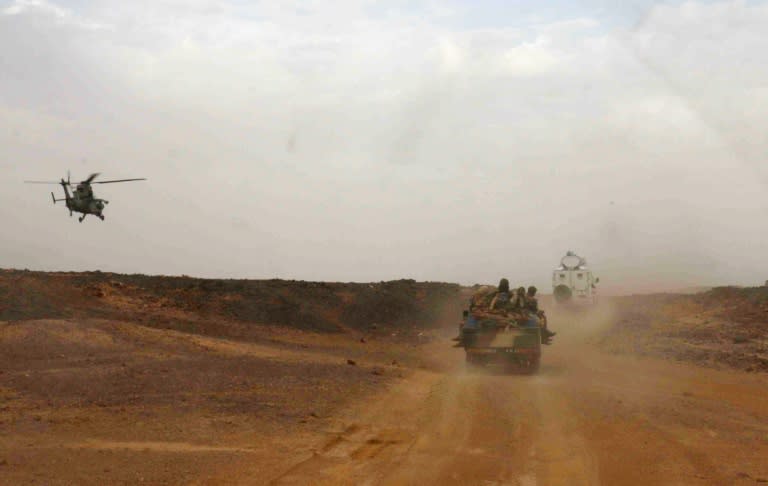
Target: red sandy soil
{"points": [[110, 379], [725, 326]]}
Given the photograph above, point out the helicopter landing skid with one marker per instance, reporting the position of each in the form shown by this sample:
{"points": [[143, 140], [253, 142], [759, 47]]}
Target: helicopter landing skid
{"points": [[81, 218]]}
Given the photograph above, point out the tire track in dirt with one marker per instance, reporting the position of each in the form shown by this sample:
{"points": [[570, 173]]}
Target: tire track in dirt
{"points": [[560, 455], [585, 419], [155, 446], [454, 428], [366, 437]]}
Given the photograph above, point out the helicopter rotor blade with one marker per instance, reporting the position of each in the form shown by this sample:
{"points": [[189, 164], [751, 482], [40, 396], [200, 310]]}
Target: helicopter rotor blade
{"points": [[120, 180], [91, 178]]}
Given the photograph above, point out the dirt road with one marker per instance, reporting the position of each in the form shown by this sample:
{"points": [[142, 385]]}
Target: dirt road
{"points": [[586, 418], [102, 402]]}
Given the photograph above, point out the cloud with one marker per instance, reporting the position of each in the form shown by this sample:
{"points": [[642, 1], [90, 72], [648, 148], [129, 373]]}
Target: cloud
{"points": [[366, 140], [530, 59], [49, 12]]}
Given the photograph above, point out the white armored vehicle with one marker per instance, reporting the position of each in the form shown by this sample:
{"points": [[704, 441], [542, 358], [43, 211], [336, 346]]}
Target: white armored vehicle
{"points": [[573, 281]]}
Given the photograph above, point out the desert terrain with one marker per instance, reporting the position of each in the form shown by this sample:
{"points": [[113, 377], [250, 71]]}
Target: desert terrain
{"points": [[128, 379]]}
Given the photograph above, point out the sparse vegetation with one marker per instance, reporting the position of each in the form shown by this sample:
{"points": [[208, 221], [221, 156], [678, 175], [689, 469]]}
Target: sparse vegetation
{"points": [[722, 326]]}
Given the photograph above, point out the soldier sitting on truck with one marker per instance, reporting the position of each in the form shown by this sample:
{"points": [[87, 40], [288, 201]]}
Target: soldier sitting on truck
{"points": [[520, 301], [487, 300], [482, 297], [517, 305], [532, 304], [502, 300]]}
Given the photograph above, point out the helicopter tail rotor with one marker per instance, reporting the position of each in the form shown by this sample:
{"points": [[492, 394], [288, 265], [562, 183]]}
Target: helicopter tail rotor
{"points": [[53, 196]]}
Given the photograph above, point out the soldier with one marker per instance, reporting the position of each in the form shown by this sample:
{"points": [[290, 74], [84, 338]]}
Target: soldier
{"points": [[482, 297], [487, 300], [501, 301], [520, 299], [532, 304], [478, 302]]}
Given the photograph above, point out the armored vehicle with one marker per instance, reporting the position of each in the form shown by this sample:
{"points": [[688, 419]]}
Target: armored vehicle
{"points": [[511, 342], [573, 281]]}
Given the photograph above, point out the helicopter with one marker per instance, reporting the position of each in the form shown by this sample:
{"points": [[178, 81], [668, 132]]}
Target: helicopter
{"points": [[81, 199]]}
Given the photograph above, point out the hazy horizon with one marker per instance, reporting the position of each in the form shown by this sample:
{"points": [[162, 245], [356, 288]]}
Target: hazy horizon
{"points": [[367, 141]]}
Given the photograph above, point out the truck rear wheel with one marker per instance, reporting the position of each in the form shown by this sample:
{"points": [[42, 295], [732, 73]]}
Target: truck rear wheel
{"points": [[563, 293], [533, 366], [471, 363]]}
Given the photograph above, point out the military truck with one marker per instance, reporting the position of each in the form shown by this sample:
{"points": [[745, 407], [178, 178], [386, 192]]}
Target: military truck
{"points": [[494, 340], [573, 281]]}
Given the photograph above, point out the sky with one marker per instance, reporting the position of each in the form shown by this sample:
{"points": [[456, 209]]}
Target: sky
{"points": [[365, 140]]}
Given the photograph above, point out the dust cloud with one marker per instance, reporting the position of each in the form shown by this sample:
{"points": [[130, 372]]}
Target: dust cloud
{"points": [[580, 323]]}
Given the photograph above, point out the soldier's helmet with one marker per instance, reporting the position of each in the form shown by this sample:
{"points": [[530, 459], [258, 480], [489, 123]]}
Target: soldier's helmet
{"points": [[503, 285], [532, 290]]}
